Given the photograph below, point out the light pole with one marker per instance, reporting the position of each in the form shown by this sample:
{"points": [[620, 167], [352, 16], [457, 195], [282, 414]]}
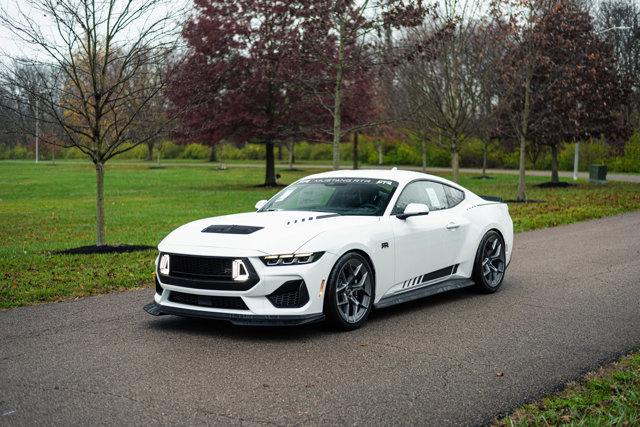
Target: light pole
{"points": [[37, 129], [576, 154]]}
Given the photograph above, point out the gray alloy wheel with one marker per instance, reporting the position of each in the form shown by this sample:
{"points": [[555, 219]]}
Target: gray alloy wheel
{"points": [[350, 292], [490, 263], [353, 290], [493, 261]]}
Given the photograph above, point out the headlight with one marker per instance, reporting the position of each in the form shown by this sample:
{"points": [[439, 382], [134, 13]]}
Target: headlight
{"points": [[291, 259]]}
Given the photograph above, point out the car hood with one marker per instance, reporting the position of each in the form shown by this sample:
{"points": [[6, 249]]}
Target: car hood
{"points": [[280, 232]]}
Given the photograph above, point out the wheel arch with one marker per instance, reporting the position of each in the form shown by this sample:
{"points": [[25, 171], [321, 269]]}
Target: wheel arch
{"points": [[369, 260], [360, 252], [490, 228], [497, 230]]}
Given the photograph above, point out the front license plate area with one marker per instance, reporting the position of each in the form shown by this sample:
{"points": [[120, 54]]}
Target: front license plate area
{"points": [[204, 300]]}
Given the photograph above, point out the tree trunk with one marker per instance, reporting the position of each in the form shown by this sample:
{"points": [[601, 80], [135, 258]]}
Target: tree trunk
{"points": [[100, 229], [270, 179], [291, 147], [522, 195], [524, 131], [455, 164], [149, 151], [484, 157], [380, 153], [213, 155], [423, 149], [280, 151], [355, 150], [554, 164], [337, 103]]}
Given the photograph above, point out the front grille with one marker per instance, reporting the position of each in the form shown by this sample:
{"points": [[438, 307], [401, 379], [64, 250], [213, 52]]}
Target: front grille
{"points": [[202, 272], [198, 267], [291, 294], [229, 303]]}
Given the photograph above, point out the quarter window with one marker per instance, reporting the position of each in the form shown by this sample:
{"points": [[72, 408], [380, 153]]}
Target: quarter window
{"points": [[454, 196]]}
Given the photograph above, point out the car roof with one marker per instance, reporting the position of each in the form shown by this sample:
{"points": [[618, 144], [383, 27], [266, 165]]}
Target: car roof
{"points": [[394, 174]]}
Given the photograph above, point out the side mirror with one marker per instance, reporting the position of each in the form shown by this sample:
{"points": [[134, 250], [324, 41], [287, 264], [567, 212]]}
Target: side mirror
{"points": [[414, 209], [261, 204]]}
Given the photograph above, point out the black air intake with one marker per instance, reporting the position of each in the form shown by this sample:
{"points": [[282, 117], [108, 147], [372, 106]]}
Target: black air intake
{"points": [[291, 294], [229, 303], [158, 287]]}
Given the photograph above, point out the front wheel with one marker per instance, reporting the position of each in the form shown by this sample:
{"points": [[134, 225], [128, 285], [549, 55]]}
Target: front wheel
{"points": [[490, 263], [350, 292]]}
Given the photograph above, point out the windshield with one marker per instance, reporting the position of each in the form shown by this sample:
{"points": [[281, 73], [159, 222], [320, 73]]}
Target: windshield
{"points": [[344, 196]]}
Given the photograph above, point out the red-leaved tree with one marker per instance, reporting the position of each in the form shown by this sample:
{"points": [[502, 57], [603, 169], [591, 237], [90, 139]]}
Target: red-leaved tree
{"points": [[581, 94], [240, 79]]}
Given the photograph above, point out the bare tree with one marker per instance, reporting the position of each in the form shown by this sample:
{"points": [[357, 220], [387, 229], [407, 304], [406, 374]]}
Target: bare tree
{"points": [[153, 121], [618, 21], [485, 53], [20, 102], [518, 20], [94, 51], [351, 61], [441, 83]]}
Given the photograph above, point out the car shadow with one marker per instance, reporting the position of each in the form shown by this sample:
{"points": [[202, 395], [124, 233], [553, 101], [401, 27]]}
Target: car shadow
{"points": [[224, 329], [409, 307]]}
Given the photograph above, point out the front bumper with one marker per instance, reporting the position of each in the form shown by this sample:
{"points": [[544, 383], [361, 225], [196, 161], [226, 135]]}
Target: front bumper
{"points": [[256, 307], [156, 309]]}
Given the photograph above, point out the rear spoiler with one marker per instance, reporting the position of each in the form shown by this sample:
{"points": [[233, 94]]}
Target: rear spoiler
{"points": [[493, 199]]}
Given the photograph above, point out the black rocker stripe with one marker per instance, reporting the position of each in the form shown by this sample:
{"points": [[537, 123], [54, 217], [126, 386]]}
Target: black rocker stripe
{"points": [[427, 277]]}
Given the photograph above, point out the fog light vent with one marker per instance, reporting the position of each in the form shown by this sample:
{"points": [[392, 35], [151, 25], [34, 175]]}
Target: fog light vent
{"points": [[292, 294]]}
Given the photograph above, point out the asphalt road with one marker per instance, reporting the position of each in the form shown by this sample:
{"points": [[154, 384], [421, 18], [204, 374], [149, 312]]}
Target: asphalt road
{"points": [[571, 301]]}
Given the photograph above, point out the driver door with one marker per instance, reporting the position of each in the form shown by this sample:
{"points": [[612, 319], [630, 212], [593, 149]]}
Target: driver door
{"points": [[429, 243]]}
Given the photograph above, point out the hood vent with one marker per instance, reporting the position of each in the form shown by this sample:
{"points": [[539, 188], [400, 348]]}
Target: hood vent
{"points": [[231, 229], [311, 218]]}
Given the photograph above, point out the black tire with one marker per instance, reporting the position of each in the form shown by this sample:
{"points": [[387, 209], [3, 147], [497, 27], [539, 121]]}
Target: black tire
{"points": [[341, 287], [490, 263]]}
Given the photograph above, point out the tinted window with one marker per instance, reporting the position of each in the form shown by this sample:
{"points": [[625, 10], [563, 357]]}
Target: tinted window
{"points": [[454, 196], [427, 193], [345, 196]]}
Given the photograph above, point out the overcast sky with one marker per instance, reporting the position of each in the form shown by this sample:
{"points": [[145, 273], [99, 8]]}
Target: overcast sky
{"points": [[10, 46]]}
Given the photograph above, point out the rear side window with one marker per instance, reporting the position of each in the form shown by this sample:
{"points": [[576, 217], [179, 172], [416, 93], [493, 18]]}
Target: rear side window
{"points": [[454, 196]]}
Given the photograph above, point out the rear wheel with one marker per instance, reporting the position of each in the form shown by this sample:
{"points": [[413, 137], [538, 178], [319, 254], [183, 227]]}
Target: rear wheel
{"points": [[350, 292], [490, 263]]}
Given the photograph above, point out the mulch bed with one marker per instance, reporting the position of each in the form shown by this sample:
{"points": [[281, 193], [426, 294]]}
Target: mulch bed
{"points": [[524, 201], [561, 184], [270, 186]]}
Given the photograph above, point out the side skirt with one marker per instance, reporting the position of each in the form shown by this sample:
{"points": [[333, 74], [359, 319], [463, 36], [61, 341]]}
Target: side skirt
{"points": [[436, 288]]}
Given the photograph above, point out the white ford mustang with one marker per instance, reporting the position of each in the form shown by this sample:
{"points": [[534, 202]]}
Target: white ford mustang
{"points": [[334, 245]]}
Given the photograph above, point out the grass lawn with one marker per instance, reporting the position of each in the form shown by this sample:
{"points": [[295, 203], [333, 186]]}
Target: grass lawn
{"points": [[45, 208], [609, 396]]}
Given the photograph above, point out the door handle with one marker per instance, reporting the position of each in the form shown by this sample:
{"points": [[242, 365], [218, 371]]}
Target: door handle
{"points": [[452, 226]]}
